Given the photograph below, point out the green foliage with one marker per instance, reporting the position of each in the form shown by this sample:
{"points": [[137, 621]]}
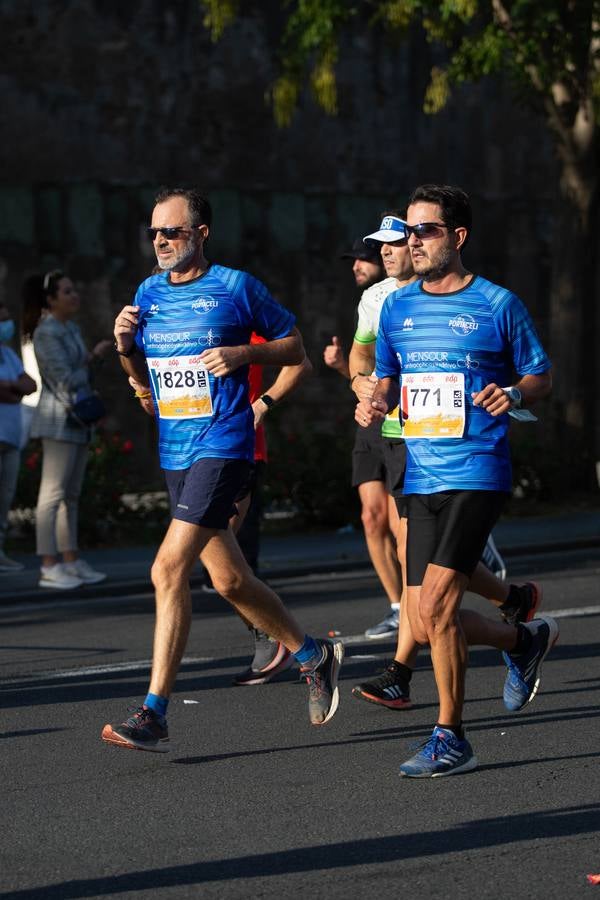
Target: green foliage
{"points": [[309, 43], [218, 15], [549, 47]]}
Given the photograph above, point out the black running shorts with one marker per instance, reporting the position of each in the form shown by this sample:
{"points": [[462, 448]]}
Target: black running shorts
{"points": [[449, 529], [375, 458]]}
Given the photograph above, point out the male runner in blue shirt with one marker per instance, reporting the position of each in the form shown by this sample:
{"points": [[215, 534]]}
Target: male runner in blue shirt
{"points": [[187, 335], [454, 339]]}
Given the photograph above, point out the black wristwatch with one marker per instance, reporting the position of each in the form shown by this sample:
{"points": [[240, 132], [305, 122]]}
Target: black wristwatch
{"points": [[268, 401], [127, 353]]}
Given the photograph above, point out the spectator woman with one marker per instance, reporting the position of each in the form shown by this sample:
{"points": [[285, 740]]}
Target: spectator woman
{"points": [[50, 304], [15, 383]]}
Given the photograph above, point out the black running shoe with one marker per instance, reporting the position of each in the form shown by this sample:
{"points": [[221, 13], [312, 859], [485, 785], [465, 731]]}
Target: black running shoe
{"points": [[323, 693], [144, 730], [529, 602], [385, 690], [270, 658]]}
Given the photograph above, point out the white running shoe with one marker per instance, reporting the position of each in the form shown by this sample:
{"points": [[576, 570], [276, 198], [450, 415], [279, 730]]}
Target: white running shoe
{"points": [[57, 577], [9, 565], [82, 570]]}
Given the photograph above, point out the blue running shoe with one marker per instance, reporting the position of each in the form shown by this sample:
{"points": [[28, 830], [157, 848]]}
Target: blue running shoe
{"points": [[442, 754], [523, 676], [492, 559]]}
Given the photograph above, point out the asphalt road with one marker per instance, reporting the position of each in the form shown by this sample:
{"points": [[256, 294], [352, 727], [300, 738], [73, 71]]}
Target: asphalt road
{"points": [[252, 802]]}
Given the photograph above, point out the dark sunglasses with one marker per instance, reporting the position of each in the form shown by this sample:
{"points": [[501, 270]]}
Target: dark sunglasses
{"points": [[425, 231], [170, 233]]}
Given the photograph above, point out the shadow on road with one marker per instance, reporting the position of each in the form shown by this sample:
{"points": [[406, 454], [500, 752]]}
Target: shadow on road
{"points": [[474, 835]]}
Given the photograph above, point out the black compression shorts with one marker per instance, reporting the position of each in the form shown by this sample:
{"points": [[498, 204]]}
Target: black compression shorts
{"points": [[449, 529], [375, 458]]}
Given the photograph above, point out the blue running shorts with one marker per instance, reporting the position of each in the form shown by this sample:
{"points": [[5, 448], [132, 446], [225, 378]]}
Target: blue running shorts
{"points": [[206, 493]]}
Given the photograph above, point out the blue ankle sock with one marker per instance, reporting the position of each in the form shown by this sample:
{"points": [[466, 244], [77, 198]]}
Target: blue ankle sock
{"points": [[309, 650], [157, 703]]}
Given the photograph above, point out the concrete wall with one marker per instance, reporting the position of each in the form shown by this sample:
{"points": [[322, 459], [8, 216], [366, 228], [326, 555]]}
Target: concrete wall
{"points": [[103, 101]]}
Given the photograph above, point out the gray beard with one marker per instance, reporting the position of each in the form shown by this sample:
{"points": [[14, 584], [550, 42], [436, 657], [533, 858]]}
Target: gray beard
{"points": [[179, 261]]}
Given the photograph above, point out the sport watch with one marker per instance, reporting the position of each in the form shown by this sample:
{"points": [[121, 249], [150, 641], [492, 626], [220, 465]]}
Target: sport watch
{"points": [[268, 401], [514, 395]]}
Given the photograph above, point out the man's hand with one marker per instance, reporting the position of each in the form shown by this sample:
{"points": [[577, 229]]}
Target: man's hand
{"points": [[260, 410], [493, 399], [143, 394], [369, 411], [364, 386], [223, 360], [334, 356], [126, 326]]}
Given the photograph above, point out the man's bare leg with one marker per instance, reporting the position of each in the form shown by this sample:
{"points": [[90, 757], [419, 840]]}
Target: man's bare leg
{"points": [[379, 537], [252, 599], [436, 618], [233, 578]]}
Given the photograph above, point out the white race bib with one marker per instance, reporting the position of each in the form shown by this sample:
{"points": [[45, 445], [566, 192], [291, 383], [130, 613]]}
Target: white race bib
{"points": [[433, 405], [182, 387]]}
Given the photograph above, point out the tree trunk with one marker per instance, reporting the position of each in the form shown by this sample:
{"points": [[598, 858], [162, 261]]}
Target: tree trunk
{"points": [[574, 321]]}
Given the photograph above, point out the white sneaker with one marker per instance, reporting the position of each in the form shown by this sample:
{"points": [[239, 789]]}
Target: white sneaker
{"points": [[9, 565], [57, 577], [82, 570]]}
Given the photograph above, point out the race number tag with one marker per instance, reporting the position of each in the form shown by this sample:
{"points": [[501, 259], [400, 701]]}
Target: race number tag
{"points": [[182, 387], [433, 405]]}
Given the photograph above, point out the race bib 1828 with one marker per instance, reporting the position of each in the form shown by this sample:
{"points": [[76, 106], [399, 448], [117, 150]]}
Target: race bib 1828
{"points": [[432, 405], [182, 387]]}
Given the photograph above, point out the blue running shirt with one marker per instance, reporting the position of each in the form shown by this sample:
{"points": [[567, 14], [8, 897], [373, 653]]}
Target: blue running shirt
{"points": [[479, 334], [201, 416]]}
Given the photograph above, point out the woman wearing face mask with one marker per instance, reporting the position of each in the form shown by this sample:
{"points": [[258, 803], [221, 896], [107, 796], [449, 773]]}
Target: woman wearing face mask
{"points": [[50, 304], [14, 385]]}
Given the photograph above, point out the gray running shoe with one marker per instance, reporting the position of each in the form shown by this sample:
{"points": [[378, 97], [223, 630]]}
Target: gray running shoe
{"points": [[323, 693], [388, 627], [270, 658]]}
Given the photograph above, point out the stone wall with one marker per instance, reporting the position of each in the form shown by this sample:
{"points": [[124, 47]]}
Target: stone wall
{"points": [[103, 101]]}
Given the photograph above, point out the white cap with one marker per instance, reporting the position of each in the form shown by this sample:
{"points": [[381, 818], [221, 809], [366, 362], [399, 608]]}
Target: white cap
{"points": [[391, 229]]}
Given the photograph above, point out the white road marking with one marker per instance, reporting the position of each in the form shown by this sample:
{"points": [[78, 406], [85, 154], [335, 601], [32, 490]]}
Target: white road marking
{"points": [[348, 640], [574, 612], [140, 665]]}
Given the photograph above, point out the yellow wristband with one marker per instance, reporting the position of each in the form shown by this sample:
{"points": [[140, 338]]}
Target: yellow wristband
{"points": [[145, 396]]}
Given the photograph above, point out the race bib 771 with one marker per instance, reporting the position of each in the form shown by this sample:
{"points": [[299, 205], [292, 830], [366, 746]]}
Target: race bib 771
{"points": [[432, 405]]}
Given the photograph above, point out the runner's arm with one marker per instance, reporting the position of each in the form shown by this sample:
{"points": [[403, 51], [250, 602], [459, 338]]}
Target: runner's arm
{"points": [[126, 326], [385, 397], [288, 378], [495, 400], [361, 364], [286, 351]]}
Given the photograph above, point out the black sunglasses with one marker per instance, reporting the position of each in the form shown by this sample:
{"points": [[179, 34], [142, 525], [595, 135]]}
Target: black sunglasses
{"points": [[425, 231], [170, 232]]}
